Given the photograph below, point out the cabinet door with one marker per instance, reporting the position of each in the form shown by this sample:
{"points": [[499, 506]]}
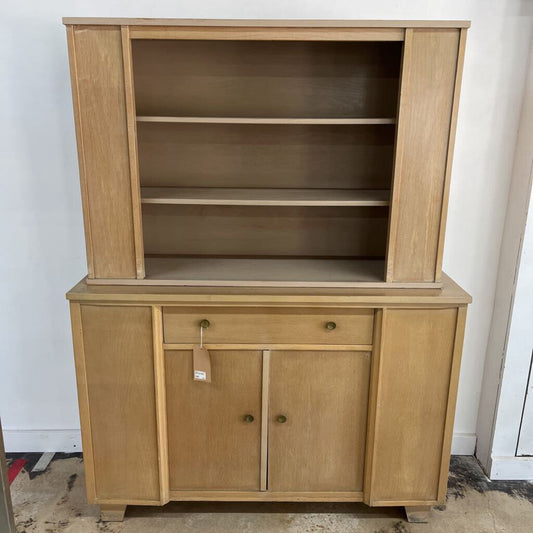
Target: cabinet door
{"points": [[111, 206], [413, 406], [213, 443], [319, 445], [431, 74], [115, 372]]}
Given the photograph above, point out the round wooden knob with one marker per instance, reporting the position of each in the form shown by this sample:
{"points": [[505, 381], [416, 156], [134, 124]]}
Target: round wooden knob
{"points": [[248, 418], [205, 323], [331, 325], [281, 419]]}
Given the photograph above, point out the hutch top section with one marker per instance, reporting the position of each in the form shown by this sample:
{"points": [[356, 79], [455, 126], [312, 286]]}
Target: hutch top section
{"points": [[265, 153]]}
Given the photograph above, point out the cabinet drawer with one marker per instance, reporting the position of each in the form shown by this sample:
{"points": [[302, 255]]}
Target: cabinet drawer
{"points": [[268, 326]]}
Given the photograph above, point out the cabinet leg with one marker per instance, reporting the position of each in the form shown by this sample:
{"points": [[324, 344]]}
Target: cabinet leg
{"points": [[418, 514], [112, 513]]}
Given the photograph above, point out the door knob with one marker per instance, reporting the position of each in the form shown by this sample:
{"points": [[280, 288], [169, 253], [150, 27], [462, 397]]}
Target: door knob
{"points": [[281, 419], [248, 418]]}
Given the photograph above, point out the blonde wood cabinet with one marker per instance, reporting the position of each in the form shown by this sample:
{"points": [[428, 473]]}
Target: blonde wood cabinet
{"points": [[368, 417], [275, 190]]}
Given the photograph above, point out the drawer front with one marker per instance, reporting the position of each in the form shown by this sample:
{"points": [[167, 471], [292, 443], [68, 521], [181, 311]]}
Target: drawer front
{"points": [[268, 326]]}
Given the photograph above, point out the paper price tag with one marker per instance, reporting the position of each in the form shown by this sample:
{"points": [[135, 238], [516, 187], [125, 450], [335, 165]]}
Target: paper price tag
{"points": [[201, 364]]}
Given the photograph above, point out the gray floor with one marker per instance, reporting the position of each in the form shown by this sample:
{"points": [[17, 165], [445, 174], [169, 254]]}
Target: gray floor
{"points": [[55, 502]]}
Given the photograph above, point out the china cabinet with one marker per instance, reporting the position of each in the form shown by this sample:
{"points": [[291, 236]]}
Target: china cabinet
{"points": [[273, 192]]}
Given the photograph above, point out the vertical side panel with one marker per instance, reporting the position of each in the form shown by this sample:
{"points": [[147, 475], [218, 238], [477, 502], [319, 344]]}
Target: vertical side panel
{"points": [[451, 145], [375, 367], [412, 406], [83, 400], [81, 153], [452, 400], [118, 348], [131, 118], [424, 121], [160, 401], [102, 134]]}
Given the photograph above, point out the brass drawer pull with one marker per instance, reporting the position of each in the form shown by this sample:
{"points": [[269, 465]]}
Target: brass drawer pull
{"points": [[281, 419], [249, 418], [331, 325], [205, 323]]}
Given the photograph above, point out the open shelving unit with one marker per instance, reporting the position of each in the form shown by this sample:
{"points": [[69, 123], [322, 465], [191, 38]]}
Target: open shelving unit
{"points": [[265, 163]]}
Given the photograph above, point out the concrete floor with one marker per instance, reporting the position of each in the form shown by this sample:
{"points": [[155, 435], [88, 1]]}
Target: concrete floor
{"points": [[55, 502]]}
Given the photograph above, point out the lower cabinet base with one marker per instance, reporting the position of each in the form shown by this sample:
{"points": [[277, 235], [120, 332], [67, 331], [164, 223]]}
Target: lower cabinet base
{"points": [[419, 514], [331, 400]]}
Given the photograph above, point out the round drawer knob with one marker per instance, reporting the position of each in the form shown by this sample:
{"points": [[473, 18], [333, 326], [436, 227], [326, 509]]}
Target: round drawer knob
{"points": [[205, 323], [331, 325], [281, 419], [248, 418]]}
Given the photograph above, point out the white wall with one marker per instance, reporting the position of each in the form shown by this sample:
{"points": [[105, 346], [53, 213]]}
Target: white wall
{"points": [[501, 416], [41, 236], [509, 422]]}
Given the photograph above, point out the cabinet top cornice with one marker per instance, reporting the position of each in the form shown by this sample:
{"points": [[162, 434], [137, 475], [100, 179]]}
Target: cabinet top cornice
{"points": [[267, 23]]}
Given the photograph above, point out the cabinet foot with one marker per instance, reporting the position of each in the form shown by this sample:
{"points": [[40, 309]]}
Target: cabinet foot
{"points": [[112, 513], [418, 514]]}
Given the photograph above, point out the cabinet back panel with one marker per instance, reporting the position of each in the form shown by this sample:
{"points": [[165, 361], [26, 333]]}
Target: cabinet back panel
{"points": [[273, 231], [263, 156], [266, 79]]}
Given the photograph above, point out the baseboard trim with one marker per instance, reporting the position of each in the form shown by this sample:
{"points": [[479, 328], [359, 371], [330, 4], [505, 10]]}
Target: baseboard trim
{"points": [[464, 443], [69, 440], [42, 440], [512, 468]]}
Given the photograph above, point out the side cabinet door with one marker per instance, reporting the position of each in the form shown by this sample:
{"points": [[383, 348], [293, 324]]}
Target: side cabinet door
{"points": [[110, 203], [317, 425], [214, 429], [414, 384], [431, 75], [115, 371]]}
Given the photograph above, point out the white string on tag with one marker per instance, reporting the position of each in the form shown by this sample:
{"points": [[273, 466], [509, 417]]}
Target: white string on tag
{"points": [[201, 337]]}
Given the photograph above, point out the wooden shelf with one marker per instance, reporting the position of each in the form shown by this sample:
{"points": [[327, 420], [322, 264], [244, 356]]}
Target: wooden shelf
{"points": [[264, 197], [264, 272], [261, 120]]}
